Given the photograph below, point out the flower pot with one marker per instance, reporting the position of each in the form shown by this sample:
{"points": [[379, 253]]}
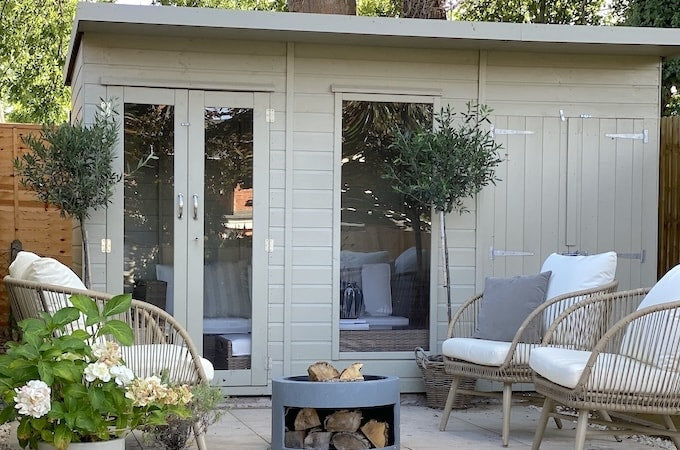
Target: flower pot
{"points": [[113, 444]]}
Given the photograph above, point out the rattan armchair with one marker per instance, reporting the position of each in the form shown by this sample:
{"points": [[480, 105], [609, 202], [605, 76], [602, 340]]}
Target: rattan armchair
{"points": [[634, 368], [513, 366], [161, 344]]}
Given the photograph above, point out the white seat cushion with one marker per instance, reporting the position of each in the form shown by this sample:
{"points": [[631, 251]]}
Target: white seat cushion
{"points": [[481, 351], [384, 322], [565, 367], [152, 359]]}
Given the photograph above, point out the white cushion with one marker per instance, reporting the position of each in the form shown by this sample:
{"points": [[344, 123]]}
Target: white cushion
{"points": [[21, 263], [240, 343], [565, 367], [375, 282], [383, 322], [408, 261], [576, 273], [51, 271], [481, 351], [152, 359], [642, 339], [357, 259]]}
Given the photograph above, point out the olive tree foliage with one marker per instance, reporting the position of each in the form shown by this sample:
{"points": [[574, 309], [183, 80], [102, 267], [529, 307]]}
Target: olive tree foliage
{"points": [[34, 39], [661, 14], [71, 167], [251, 5], [584, 12], [442, 167]]}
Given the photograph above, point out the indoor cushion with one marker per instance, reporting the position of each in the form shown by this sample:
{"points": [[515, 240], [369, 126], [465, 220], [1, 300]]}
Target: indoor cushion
{"points": [[576, 273], [565, 367], [51, 271], [482, 351], [375, 281], [240, 343], [166, 273], [506, 303], [641, 339], [21, 263], [152, 359], [407, 261], [349, 258]]}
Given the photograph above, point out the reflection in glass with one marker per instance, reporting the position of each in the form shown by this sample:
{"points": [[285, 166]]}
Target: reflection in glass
{"points": [[228, 217], [148, 202], [384, 239]]}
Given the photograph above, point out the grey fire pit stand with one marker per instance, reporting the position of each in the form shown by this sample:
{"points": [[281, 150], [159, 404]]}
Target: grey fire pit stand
{"points": [[375, 395]]}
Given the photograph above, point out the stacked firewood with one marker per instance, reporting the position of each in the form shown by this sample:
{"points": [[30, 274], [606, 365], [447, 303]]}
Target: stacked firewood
{"points": [[342, 429]]}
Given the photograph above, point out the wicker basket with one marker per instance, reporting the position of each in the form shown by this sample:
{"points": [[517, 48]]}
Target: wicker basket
{"points": [[438, 382], [224, 358]]}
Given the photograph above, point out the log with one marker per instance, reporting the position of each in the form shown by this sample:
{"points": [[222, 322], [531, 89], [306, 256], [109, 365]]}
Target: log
{"points": [[295, 439], [319, 440], [352, 373], [376, 432], [343, 420], [306, 418], [344, 440], [322, 371]]}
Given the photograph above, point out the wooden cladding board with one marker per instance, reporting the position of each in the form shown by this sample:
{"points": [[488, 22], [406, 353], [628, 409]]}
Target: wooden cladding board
{"points": [[669, 194], [41, 230]]}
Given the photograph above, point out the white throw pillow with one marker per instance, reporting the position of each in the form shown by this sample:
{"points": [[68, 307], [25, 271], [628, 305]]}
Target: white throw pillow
{"points": [[644, 341], [21, 263], [375, 281], [51, 271], [576, 273]]}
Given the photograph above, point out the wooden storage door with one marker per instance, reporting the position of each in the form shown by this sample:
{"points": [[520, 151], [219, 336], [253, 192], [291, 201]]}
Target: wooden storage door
{"points": [[566, 186]]}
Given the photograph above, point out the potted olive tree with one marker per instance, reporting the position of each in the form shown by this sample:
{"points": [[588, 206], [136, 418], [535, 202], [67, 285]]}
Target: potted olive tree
{"points": [[439, 168], [70, 167]]}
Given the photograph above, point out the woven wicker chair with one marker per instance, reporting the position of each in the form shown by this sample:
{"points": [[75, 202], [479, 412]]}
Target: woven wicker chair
{"points": [[160, 342], [515, 367], [634, 368]]}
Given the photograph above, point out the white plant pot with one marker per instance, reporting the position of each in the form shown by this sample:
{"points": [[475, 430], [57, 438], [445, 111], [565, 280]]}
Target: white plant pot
{"points": [[113, 444]]}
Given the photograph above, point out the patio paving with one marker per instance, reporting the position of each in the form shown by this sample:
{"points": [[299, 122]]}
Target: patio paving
{"points": [[246, 425]]}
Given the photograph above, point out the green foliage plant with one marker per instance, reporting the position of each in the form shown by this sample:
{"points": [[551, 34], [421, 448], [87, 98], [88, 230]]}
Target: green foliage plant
{"points": [[442, 167], [71, 167], [65, 381]]}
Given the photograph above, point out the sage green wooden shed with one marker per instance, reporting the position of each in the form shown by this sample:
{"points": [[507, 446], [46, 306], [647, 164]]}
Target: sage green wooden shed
{"points": [[261, 220]]}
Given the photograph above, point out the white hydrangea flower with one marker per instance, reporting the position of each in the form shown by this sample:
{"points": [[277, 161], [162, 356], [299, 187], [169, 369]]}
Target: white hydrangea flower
{"points": [[33, 399], [123, 375], [97, 370], [106, 352]]}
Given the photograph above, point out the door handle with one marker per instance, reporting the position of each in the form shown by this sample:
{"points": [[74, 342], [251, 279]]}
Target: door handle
{"points": [[195, 197], [180, 205]]}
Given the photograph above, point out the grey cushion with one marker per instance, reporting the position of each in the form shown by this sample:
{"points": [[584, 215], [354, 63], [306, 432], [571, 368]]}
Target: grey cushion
{"points": [[506, 303]]}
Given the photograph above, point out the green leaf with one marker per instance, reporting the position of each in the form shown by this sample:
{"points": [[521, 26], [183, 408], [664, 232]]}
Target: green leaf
{"points": [[62, 436], [67, 370], [85, 421], [46, 374], [96, 397], [33, 339], [80, 335], [24, 428], [120, 331], [117, 305], [65, 316], [32, 325], [8, 414], [85, 305], [47, 436]]}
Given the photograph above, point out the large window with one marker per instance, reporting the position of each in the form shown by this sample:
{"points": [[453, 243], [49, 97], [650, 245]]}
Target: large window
{"points": [[384, 238]]}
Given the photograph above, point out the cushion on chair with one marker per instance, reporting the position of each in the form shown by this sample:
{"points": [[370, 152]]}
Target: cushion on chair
{"points": [[481, 351], [576, 273], [375, 280], [642, 338], [51, 271], [21, 263], [565, 367], [506, 303], [152, 359]]}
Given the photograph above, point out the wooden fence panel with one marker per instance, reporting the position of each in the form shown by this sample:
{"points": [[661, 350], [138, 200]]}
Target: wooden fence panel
{"points": [[22, 216], [669, 195]]}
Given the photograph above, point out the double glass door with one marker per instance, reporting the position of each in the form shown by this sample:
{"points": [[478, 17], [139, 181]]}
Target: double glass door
{"points": [[195, 192]]}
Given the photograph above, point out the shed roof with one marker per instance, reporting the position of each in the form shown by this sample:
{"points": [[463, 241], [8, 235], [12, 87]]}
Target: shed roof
{"points": [[374, 31]]}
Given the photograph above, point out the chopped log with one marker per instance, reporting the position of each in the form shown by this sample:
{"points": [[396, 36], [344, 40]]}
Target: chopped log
{"points": [[352, 373], [319, 440], [376, 432], [322, 371], [295, 439], [343, 420], [307, 418], [344, 440]]}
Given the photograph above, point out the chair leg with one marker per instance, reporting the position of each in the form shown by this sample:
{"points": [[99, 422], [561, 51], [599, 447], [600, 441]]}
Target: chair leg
{"points": [[605, 416], [548, 406], [507, 402], [671, 426], [581, 426], [200, 437], [449, 403]]}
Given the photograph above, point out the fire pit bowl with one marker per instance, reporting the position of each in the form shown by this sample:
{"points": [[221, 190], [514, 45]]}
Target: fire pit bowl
{"points": [[376, 396]]}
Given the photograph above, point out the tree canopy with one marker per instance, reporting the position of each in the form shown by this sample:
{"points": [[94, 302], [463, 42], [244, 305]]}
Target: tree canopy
{"points": [[585, 12]]}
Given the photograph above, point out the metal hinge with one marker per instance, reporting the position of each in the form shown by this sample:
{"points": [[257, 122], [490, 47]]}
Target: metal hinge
{"points": [[269, 245], [270, 115], [644, 136], [641, 255], [493, 253], [106, 246], [496, 131]]}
